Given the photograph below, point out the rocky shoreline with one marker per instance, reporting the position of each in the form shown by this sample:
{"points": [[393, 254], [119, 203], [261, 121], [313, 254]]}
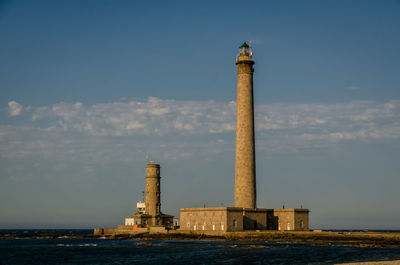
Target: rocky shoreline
{"points": [[355, 239]]}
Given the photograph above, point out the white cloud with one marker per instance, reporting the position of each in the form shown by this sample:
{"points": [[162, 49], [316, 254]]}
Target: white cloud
{"points": [[19, 142], [353, 88], [77, 133], [14, 108], [356, 120], [151, 117], [134, 125]]}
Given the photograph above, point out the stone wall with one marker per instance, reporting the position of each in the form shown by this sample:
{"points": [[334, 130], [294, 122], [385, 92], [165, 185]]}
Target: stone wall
{"points": [[227, 219], [212, 219], [301, 220], [255, 219], [158, 229], [235, 220], [122, 229], [288, 219], [128, 228], [105, 231]]}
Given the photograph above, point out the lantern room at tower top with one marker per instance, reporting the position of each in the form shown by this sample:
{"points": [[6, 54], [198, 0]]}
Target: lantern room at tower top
{"points": [[244, 49], [245, 54]]}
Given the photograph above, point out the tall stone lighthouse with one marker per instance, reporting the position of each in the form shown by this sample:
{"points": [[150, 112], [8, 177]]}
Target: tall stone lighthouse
{"points": [[244, 215], [245, 163]]}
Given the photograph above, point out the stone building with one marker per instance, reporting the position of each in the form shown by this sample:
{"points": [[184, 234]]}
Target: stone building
{"points": [[288, 219], [244, 215], [234, 219], [223, 219]]}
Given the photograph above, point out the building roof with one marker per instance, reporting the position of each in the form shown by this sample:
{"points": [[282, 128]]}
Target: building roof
{"points": [[291, 210], [244, 45], [205, 209]]}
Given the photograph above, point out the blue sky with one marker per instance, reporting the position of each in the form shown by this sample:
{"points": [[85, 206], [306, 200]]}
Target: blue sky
{"points": [[89, 88]]}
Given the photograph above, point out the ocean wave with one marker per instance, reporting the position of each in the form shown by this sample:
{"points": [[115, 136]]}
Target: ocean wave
{"points": [[77, 245]]}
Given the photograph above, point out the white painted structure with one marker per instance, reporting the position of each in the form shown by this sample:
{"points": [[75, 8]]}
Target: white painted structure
{"points": [[129, 221], [141, 206]]}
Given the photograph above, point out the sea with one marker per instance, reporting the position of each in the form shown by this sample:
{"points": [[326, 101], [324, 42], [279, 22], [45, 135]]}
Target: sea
{"points": [[108, 251]]}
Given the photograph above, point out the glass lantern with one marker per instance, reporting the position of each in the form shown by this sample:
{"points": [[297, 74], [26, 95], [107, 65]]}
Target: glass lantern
{"points": [[244, 49]]}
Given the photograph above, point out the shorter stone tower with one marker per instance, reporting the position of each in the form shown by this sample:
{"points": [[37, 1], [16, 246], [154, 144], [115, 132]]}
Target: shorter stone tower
{"points": [[153, 194], [152, 215], [148, 216]]}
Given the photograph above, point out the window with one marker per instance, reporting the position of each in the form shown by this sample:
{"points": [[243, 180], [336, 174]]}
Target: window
{"points": [[288, 226], [234, 223], [301, 224], [158, 222], [222, 227], [144, 221], [213, 227]]}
